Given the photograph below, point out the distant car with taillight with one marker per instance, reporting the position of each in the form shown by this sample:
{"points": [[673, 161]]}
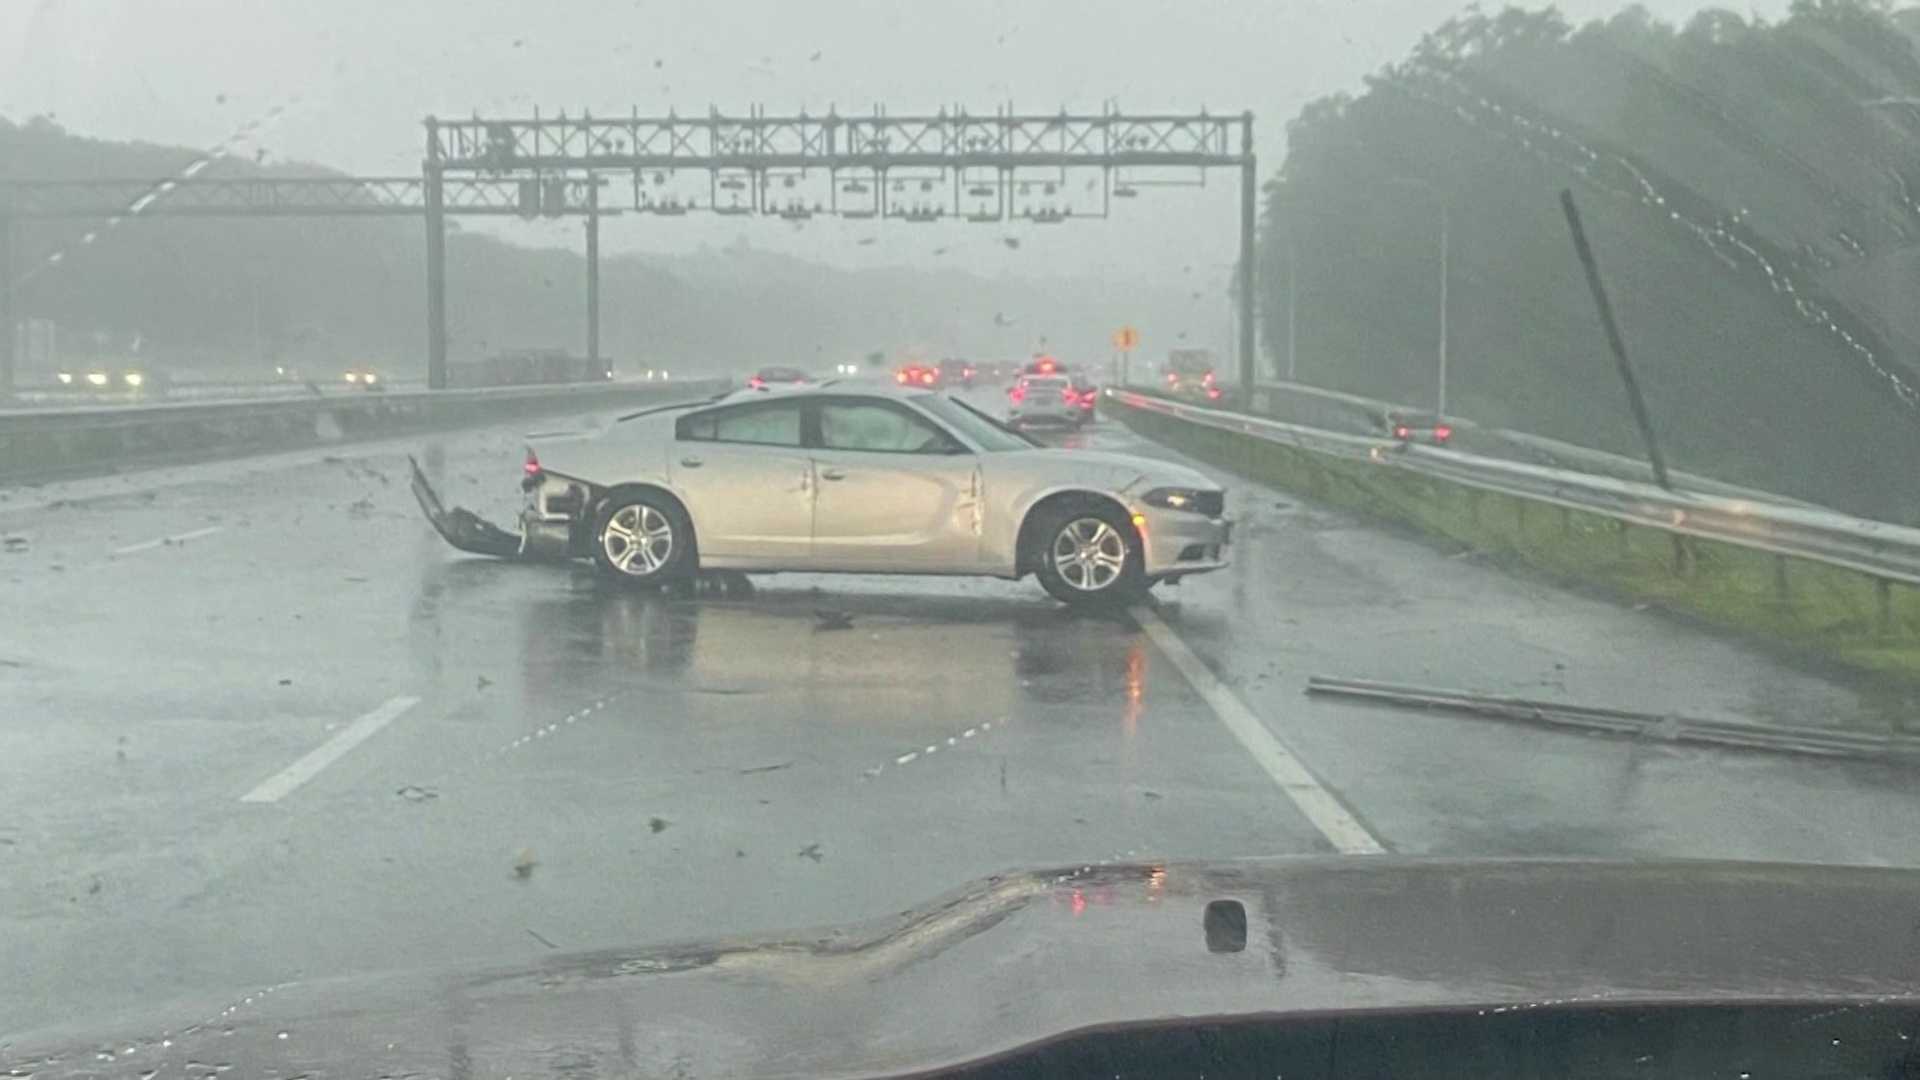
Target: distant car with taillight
{"points": [[1189, 373], [1086, 393], [1408, 426], [777, 376], [918, 376], [1044, 365], [1045, 399], [958, 373]]}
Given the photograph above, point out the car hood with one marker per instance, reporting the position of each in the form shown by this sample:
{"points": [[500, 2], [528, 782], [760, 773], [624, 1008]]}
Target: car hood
{"points": [[1122, 471], [1017, 958]]}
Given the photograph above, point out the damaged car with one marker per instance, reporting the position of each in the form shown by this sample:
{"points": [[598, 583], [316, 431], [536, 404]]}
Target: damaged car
{"points": [[835, 480]]}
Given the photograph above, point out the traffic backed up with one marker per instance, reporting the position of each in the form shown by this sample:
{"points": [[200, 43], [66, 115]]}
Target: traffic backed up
{"points": [[834, 480]]}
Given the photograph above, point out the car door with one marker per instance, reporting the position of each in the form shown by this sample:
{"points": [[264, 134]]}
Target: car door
{"points": [[895, 491], [748, 483]]}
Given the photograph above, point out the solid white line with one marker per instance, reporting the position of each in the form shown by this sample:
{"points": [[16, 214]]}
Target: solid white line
{"points": [[147, 545], [1319, 805], [280, 784]]}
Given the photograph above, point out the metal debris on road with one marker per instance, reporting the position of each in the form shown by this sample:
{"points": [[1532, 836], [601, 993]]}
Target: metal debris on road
{"points": [[833, 620], [657, 825], [812, 851], [416, 793], [541, 940], [1663, 727], [766, 768]]}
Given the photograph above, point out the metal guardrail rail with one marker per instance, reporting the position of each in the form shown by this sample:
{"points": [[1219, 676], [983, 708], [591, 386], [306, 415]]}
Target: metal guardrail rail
{"points": [[51, 443], [1886, 552]]}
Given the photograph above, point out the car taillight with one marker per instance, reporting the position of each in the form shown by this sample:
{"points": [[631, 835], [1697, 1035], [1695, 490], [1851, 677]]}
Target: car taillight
{"points": [[1070, 397], [1018, 393], [1401, 432], [756, 382], [1442, 433], [1207, 378], [532, 466], [1213, 392], [927, 377], [900, 376], [1172, 378]]}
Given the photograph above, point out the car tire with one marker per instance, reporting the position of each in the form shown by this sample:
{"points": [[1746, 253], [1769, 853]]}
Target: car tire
{"points": [[1069, 539], [642, 538]]}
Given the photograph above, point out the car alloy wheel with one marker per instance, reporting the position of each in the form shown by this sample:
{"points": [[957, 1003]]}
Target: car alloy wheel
{"points": [[1089, 554], [637, 540]]}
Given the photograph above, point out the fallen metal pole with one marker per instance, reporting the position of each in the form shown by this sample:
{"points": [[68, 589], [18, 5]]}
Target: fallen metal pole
{"points": [[1816, 742]]}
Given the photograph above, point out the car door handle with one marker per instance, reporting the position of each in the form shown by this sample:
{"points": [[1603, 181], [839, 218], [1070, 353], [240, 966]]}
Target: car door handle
{"points": [[833, 474], [692, 462]]}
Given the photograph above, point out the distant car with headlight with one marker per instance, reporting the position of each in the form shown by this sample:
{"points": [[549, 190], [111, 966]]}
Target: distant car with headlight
{"points": [[123, 379], [363, 377], [829, 479]]}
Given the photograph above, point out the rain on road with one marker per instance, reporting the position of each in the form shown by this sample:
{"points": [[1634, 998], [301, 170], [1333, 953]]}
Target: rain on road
{"points": [[294, 706]]}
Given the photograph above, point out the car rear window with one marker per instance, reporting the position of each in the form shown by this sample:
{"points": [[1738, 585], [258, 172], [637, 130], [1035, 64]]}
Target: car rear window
{"points": [[1047, 383]]}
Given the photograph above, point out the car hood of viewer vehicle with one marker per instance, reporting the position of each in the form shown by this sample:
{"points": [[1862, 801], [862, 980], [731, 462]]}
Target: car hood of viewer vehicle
{"points": [[1012, 959]]}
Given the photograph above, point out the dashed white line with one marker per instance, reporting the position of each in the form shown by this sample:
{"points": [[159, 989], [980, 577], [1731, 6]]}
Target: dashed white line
{"points": [[1320, 806], [148, 545], [282, 783]]}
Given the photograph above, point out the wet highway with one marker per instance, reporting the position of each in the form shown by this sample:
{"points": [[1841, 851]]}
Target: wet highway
{"points": [[258, 723]]}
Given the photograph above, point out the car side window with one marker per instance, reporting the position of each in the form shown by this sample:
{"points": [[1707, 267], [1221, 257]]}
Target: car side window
{"points": [[881, 428], [770, 423]]}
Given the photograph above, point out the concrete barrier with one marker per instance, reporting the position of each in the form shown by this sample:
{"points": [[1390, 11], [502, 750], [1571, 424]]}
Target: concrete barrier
{"points": [[47, 444]]}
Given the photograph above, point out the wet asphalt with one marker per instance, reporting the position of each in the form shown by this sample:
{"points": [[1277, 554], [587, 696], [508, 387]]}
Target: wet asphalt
{"points": [[534, 762]]}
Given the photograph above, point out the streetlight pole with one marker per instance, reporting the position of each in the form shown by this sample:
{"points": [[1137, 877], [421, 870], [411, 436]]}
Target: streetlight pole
{"points": [[1440, 200], [1293, 292]]}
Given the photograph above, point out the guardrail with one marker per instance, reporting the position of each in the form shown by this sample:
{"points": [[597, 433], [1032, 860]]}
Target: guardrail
{"points": [[1887, 553], [51, 443], [1312, 405]]}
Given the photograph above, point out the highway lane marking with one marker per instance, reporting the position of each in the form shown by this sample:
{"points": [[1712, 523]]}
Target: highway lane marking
{"points": [[1297, 782], [931, 749], [281, 784], [158, 541]]}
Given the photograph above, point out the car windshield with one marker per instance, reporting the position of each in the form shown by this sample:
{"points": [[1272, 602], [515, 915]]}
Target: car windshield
{"points": [[496, 492], [983, 430]]}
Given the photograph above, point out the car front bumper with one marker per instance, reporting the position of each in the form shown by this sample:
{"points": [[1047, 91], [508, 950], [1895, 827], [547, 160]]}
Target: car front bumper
{"points": [[1175, 542]]}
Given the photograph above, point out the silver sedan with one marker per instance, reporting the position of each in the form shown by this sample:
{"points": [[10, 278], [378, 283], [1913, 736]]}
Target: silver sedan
{"points": [[838, 480]]}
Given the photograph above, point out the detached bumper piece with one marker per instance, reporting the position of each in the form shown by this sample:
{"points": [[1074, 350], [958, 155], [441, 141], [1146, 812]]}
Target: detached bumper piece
{"points": [[460, 527]]}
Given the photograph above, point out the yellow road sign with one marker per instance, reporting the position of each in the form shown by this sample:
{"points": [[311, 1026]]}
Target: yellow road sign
{"points": [[1126, 339]]}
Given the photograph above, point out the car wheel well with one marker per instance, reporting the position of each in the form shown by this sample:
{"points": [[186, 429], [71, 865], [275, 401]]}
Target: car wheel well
{"points": [[1024, 561]]}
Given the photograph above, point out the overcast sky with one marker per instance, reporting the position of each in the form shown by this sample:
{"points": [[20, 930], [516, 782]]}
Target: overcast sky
{"points": [[362, 73]]}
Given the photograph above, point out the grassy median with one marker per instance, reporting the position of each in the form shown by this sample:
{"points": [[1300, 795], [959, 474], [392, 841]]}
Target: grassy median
{"points": [[1801, 606]]}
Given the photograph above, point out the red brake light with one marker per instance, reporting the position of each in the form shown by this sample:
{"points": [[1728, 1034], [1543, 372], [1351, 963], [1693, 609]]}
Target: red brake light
{"points": [[1018, 393], [927, 377], [1207, 378], [1213, 392], [1172, 378], [532, 465], [899, 376], [756, 382], [1402, 432], [1070, 396], [1442, 433]]}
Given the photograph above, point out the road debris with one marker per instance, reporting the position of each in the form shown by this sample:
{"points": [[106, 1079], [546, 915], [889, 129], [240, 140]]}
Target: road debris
{"points": [[829, 619], [1661, 727], [416, 793], [766, 768], [811, 851], [541, 940], [15, 545], [657, 825], [523, 864]]}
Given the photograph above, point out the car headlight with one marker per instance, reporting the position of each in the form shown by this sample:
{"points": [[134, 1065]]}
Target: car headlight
{"points": [[66, 378], [370, 378], [134, 378], [1172, 498], [96, 378], [353, 376]]}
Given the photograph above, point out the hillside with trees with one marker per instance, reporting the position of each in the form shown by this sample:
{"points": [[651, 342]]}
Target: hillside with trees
{"points": [[1752, 191]]}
